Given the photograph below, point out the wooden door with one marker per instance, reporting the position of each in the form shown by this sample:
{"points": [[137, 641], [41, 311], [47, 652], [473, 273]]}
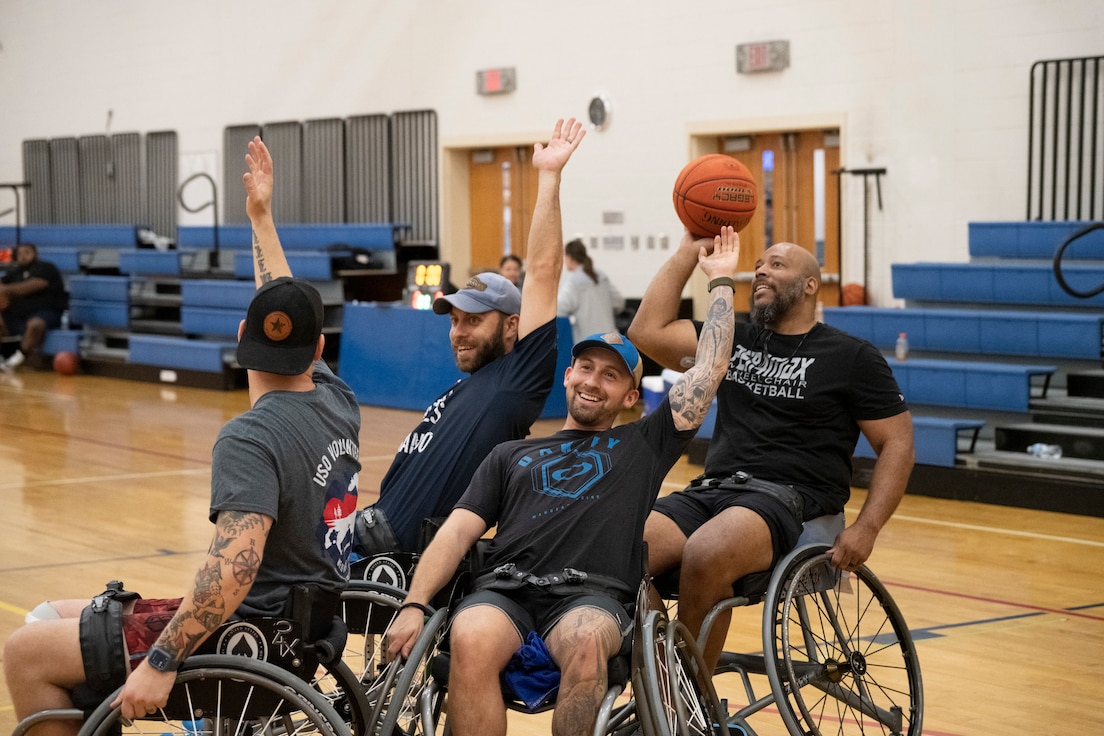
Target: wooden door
{"points": [[503, 186], [798, 200]]}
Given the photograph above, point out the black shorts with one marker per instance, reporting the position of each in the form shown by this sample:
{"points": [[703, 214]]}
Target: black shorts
{"points": [[780, 507], [534, 609], [18, 325]]}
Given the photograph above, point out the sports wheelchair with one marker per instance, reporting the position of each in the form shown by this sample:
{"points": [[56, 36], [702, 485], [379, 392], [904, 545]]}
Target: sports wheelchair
{"points": [[837, 653], [271, 676]]}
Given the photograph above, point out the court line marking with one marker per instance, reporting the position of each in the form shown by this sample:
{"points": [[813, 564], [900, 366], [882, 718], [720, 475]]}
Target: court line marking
{"points": [[994, 530], [69, 437], [1073, 611], [102, 478]]}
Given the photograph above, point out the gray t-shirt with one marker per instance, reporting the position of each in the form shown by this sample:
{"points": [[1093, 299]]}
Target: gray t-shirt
{"points": [[294, 457]]}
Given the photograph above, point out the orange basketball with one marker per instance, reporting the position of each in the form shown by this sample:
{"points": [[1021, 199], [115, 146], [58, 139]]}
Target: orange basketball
{"points": [[853, 295], [713, 191], [66, 363]]}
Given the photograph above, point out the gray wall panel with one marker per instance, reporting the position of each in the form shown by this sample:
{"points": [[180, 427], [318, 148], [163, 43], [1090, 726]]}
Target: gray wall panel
{"points": [[65, 180], [129, 194], [285, 142], [414, 173], [161, 182], [97, 181], [324, 170], [235, 142], [36, 172], [367, 168]]}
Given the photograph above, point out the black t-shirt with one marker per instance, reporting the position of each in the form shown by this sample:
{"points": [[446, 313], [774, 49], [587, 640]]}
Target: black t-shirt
{"points": [[792, 419], [52, 297], [499, 402], [576, 499]]}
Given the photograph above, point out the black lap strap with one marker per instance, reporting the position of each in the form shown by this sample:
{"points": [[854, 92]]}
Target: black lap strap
{"points": [[743, 482], [568, 582]]}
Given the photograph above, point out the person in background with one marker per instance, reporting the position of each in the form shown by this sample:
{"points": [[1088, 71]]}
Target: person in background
{"points": [[32, 299], [512, 269], [586, 294]]}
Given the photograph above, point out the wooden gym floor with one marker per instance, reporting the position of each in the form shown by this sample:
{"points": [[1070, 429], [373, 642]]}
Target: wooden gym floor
{"points": [[102, 478]]}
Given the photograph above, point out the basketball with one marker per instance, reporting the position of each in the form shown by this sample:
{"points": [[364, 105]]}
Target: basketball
{"points": [[66, 363], [853, 295], [713, 191]]}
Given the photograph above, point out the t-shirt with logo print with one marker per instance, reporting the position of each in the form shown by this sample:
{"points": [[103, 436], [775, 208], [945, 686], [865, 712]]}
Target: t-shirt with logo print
{"points": [[789, 406], [576, 499], [435, 462]]}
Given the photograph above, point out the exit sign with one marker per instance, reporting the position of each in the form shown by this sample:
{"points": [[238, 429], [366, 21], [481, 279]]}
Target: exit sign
{"points": [[496, 81], [762, 56]]}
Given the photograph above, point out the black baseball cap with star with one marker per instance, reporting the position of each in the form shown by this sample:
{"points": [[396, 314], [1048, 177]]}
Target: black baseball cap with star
{"points": [[281, 328]]}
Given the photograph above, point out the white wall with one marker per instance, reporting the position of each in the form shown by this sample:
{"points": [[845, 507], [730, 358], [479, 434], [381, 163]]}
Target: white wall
{"points": [[933, 90]]}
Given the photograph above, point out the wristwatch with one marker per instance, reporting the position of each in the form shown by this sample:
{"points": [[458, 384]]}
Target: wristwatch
{"points": [[161, 660]]}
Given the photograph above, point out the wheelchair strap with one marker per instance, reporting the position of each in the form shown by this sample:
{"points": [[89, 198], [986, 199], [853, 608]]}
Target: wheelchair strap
{"points": [[568, 582], [103, 651]]}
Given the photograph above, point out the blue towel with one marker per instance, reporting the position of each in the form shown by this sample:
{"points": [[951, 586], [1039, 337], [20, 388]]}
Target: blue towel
{"points": [[532, 674]]}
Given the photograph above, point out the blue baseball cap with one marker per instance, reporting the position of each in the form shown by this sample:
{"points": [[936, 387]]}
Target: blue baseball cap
{"points": [[484, 292], [619, 344]]}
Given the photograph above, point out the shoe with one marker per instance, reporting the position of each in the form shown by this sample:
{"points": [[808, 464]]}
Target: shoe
{"points": [[15, 360]]}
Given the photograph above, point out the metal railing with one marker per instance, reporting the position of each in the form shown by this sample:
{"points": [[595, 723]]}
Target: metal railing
{"points": [[1065, 140]]}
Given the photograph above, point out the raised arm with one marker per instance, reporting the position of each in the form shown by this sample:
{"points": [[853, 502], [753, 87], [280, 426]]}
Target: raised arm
{"points": [[220, 585], [544, 253], [693, 393], [269, 261], [656, 329]]}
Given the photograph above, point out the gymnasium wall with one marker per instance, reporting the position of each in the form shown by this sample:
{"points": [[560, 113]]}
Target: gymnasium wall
{"points": [[935, 91]]}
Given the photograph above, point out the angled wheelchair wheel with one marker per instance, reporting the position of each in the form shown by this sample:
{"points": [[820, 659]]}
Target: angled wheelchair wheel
{"points": [[415, 702], [368, 608], [226, 695], [840, 658], [678, 691]]}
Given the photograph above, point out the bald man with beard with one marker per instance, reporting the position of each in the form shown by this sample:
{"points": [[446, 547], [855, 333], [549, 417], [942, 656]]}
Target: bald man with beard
{"points": [[790, 409]]}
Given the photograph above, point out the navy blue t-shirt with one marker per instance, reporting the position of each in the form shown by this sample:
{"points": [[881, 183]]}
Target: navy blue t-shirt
{"points": [[435, 462]]}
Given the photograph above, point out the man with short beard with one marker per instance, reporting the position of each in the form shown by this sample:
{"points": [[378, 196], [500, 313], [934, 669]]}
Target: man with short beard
{"points": [[789, 413], [506, 340]]}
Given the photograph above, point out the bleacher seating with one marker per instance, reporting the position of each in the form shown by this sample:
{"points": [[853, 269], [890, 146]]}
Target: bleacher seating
{"points": [[937, 439], [978, 332]]}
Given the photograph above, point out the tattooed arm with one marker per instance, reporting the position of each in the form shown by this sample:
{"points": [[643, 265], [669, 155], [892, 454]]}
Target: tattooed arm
{"points": [[269, 261], [692, 395], [221, 584]]}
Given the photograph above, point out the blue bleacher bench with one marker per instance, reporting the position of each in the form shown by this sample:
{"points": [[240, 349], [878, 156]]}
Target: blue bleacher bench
{"points": [[61, 341], [1033, 240], [181, 353], [316, 265], [997, 283], [293, 236], [99, 301], [970, 384], [74, 236], [1074, 335], [937, 439]]}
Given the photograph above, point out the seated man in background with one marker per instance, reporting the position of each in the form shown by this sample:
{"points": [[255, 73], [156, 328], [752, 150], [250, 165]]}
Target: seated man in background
{"points": [[789, 413], [572, 502], [506, 340], [32, 298], [275, 524]]}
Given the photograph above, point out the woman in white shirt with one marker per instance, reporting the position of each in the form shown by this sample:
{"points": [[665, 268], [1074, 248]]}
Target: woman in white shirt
{"points": [[586, 295]]}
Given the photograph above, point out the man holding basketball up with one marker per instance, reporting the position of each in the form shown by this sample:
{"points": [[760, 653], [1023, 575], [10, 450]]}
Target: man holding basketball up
{"points": [[790, 410]]}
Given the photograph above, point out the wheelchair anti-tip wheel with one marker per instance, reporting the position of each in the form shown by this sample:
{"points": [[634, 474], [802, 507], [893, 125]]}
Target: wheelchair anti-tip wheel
{"points": [[840, 657], [228, 696]]}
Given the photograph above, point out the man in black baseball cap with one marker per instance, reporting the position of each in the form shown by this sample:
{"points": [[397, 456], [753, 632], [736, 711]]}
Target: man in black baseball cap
{"points": [[281, 329]]}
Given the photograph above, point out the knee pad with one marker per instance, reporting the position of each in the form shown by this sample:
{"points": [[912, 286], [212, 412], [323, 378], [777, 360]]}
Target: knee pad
{"points": [[44, 611]]}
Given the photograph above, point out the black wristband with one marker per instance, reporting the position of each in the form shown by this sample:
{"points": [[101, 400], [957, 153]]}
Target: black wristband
{"points": [[421, 607], [722, 281]]}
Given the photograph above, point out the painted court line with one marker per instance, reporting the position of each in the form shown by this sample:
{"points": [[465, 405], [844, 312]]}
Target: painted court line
{"points": [[994, 530], [102, 478]]}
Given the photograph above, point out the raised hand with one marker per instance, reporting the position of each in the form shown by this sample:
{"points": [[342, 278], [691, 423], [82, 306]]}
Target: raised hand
{"points": [[258, 180], [724, 258], [565, 139]]}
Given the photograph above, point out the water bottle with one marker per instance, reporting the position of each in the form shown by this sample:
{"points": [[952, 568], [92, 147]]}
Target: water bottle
{"points": [[1048, 452], [65, 320], [901, 350]]}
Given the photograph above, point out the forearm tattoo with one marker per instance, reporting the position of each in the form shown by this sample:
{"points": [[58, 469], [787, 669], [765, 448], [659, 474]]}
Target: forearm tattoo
{"points": [[207, 609], [258, 257], [692, 396]]}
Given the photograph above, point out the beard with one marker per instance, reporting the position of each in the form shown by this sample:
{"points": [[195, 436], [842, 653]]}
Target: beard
{"points": [[493, 349], [785, 299]]}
